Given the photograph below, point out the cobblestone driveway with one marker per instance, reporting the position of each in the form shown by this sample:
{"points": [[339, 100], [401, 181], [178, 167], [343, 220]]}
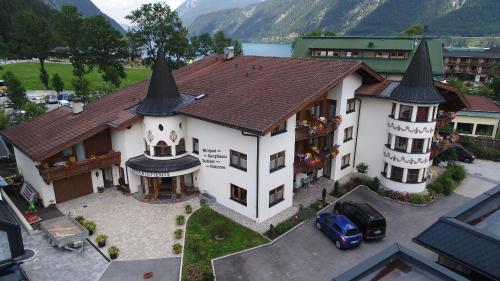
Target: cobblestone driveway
{"points": [[140, 230]]}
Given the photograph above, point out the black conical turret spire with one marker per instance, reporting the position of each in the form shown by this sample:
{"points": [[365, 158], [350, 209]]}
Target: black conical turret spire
{"points": [[417, 85], [163, 96]]}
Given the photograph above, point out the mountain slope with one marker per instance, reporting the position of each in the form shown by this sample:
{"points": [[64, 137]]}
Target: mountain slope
{"points": [[280, 20], [191, 9], [86, 8]]}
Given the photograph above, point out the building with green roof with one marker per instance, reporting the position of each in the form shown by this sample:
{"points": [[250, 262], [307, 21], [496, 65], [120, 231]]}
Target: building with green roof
{"points": [[389, 56]]}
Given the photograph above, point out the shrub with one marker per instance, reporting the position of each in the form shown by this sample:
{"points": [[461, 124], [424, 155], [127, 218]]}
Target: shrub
{"points": [[362, 168], [113, 252], [323, 194], [177, 248], [457, 172], [305, 213], [101, 238], [281, 228], [435, 187], [188, 209], [374, 184], [447, 183], [178, 233], [80, 219], [180, 220], [198, 272], [417, 198], [90, 226], [488, 153], [467, 142], [363, 180]]}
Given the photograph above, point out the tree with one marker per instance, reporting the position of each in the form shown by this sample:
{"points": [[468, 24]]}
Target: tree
{"points": [[493, 81], [220, 41], [156, 27], [57, 83], [106, 49], [32, 37], [205, 44], [16, 92], [32, 110], [362, 168], [455, 82], [4, 120], [81, 86], [416, 29]]}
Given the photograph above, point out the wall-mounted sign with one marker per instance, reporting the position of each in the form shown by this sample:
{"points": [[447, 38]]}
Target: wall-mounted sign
{"points": [[213, 158], [29, 193], [173, 136]]}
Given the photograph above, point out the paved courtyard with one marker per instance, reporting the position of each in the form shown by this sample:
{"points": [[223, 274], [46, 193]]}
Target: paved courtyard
{"points": [[307, 254], [166, 269], [482, 175], [140, 230], [54, 264]]}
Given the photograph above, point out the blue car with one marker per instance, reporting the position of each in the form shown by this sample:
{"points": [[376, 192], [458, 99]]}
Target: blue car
{"points": [[340, 229]]}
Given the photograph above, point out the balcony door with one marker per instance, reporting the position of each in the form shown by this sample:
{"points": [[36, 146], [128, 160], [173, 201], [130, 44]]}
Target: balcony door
{"points": [[332, 106]]}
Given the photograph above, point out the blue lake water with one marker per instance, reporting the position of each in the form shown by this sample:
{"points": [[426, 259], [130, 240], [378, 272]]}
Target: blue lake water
{"points": [[262, 49]]}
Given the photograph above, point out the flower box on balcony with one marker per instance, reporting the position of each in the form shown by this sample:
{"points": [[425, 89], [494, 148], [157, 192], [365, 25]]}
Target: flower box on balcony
{"points": [[313, 163]]}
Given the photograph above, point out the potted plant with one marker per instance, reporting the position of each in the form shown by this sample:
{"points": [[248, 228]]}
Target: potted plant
{"points": [[178, 233], [177, 248], [90, 226], [101, 240], [80, 219], [180, 220], [113, 252], [188, 209], [100, 189]]}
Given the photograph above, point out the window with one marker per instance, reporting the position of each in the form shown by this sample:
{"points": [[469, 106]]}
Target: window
{"points": [[239, 194], [465, 128], [162, 149], [405, 112], [484, 130], [412, 175], [316, 110], [196, 146], [146, 145], [345, 161], [355, 54], [238, 160], [348, 134], [330, 53], [160, 127], [389, 140], [68, 151], [417, 146], [336, 54], [277, 161], [397, 173], [401, 143], [323, 53], [276, 195], [351, 105], [180, 148], [422, 113], [280, 129], [385, 169]]}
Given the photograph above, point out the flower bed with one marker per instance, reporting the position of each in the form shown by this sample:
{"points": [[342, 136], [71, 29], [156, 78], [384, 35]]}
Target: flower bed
{"points": [[303, 214]]}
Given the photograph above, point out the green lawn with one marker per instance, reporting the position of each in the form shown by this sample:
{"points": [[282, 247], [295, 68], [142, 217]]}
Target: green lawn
{"points": [[201, 224], [28, 73]]}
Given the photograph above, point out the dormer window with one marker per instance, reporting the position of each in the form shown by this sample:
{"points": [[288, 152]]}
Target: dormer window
{"points": [[162, 149]]}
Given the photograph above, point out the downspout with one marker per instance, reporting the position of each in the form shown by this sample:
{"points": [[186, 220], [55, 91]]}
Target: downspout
{"points": [[256, 173], [357, 130]]}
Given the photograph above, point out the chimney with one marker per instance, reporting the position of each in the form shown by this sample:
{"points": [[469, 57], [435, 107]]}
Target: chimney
{"points": [[77, 105], [228, 52]]}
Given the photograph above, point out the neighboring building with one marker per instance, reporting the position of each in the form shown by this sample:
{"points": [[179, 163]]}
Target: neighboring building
{"points": [[481, 119], [11, 241], [389, 56], [470, 64], [398, 263], [246, 130], [467, 239]]}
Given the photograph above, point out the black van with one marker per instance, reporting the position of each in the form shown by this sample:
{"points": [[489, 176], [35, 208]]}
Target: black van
{"points": [[369, 221]]}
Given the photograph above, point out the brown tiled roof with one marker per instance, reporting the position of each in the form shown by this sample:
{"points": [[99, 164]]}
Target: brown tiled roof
{"points": [[480, 103], [249, 93]]}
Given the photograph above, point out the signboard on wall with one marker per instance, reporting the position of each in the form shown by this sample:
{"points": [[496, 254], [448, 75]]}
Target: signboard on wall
{"points": [[29, 193], [213, 158]]}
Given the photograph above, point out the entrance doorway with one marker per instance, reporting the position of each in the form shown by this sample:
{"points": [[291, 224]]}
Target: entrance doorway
{"points": [[107, 175]]}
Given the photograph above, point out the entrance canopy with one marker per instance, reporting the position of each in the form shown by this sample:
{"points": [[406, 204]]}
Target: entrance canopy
{"points": [[144, 166]]}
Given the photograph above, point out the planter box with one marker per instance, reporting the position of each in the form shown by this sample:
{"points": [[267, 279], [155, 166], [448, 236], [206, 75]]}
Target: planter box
{"points": [[207, 198]]}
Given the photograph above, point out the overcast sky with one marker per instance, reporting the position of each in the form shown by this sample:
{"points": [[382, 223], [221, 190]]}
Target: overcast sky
{"points": [[118, 9]]}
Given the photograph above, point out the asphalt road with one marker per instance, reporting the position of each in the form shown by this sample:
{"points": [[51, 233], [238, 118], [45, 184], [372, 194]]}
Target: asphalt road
{"points": [[166, 269], [307, 254]]}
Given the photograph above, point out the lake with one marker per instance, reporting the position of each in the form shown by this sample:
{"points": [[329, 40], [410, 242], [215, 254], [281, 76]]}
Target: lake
{"points": [[263, 49]]}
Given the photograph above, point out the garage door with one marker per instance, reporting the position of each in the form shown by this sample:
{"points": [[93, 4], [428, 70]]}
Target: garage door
{"points": [[72, 187]]}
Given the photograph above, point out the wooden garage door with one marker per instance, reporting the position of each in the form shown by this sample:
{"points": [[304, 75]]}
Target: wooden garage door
{"points": [[72, 187]]}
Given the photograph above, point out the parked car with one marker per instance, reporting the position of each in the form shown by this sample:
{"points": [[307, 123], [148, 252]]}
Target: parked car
{"points": [[51, 99], [464, 155], [369, 221], [12, 272], [62, 103], [339, 229], [37, 100], [67, 97]]}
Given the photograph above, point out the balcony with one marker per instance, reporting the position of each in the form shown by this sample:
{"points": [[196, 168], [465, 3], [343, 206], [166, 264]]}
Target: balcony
{"points": [[68, 168], [314, 159], [444, 118], [315, 128]]}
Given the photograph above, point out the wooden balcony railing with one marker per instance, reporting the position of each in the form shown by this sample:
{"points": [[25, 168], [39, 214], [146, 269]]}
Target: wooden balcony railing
{"points": [[315, 129], [315, 160], [71, 169]]}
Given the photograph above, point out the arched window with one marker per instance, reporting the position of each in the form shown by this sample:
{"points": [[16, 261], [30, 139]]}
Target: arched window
{"points": [[181, 147], [162, 149]]}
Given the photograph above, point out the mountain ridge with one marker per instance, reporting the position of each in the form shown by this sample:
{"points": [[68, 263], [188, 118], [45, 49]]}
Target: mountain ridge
{"points": [[189, 10]]}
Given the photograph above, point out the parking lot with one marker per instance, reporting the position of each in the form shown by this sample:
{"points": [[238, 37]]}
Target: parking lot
{"points": [[307, 254]]}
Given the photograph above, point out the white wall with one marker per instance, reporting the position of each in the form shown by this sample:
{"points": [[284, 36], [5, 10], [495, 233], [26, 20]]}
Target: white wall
{"points": [[216, 181], [270, 145], [373, 133], [175, 125], [27, 168], [341, 93], [97, 179]]}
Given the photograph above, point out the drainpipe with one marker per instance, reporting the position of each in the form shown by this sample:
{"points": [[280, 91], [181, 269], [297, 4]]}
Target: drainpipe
{"points": [[256, 173], [357, 130]]}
